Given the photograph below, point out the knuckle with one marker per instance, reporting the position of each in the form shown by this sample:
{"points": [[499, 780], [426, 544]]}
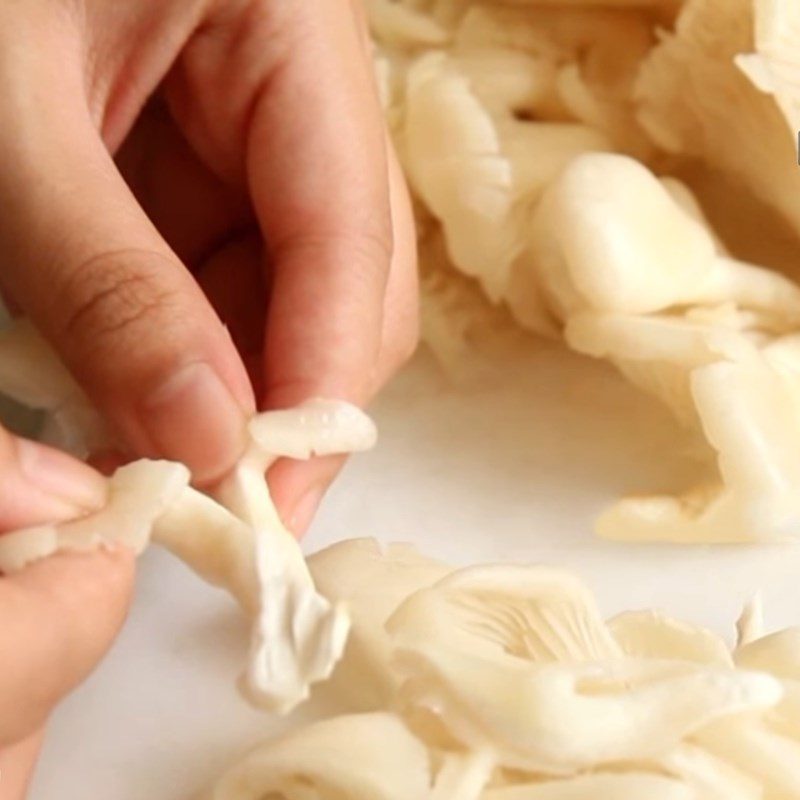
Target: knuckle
{"points": [[115, 296]]}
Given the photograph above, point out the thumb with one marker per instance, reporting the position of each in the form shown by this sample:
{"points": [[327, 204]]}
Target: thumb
{"points": [[85, 263], [58, 616]]}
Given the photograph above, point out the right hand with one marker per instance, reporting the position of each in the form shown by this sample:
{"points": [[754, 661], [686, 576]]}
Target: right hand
{"points": [[254, 182]]}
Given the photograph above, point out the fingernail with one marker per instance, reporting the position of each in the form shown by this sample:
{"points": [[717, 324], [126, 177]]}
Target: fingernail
{"points": [[193, 418], [304, 511], [58, 475]]}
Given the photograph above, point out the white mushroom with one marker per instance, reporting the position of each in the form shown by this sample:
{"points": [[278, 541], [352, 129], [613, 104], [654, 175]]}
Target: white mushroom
{"points": [[769, 758], [638, 280], [456, 164], [749, 413], [608, 236], [710, 777], [750, 625], [298, 636], [473, 163], [138, 494]]}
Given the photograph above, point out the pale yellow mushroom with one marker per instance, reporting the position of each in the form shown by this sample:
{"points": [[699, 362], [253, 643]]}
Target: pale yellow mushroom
{"points": [[358, 757]]}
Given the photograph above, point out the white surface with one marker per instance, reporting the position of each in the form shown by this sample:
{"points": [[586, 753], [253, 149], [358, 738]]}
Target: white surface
{"points": [[512, 469]]}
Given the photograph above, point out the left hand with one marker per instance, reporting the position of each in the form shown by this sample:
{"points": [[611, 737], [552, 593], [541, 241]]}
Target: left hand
{"points": [[57, 617]]}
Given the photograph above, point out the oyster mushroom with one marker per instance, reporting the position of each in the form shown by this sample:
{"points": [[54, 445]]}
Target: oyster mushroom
{"points": [[724, 87], [520, 668], [473, 164], [32, 375], [608, 236]]}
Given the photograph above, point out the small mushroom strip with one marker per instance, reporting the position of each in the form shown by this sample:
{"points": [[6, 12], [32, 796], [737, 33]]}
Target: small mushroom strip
{"points": [[299, 635]]}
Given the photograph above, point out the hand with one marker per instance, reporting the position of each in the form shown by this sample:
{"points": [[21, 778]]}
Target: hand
{"points": [[57, 617], [253, 186]]}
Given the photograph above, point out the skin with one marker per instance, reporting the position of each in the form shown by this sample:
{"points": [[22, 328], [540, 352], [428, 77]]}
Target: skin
{"points": [[202, 212]]}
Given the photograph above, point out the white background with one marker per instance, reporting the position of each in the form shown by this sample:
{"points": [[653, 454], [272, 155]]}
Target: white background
{"points": [[514, 467]]}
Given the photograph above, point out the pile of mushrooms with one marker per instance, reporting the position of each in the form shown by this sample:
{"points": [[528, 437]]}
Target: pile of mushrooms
{"points": [[505, 683], [543, 140]]}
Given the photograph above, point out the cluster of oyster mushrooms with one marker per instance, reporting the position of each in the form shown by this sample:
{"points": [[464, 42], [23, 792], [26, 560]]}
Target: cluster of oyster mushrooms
{"points": [[505, 683], [542, 140]]}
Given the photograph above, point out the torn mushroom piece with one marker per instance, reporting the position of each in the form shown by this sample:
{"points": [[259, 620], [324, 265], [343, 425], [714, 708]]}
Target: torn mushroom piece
{"points": [[651, 634], [298, 635], [764, 748], [749, 414], [563, 695], [138, 494], [358, 757], [708, 777], [239, 543], [455, 163]]}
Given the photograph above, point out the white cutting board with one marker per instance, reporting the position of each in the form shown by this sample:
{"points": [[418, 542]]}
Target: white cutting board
{"points": [[513, 468]]}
